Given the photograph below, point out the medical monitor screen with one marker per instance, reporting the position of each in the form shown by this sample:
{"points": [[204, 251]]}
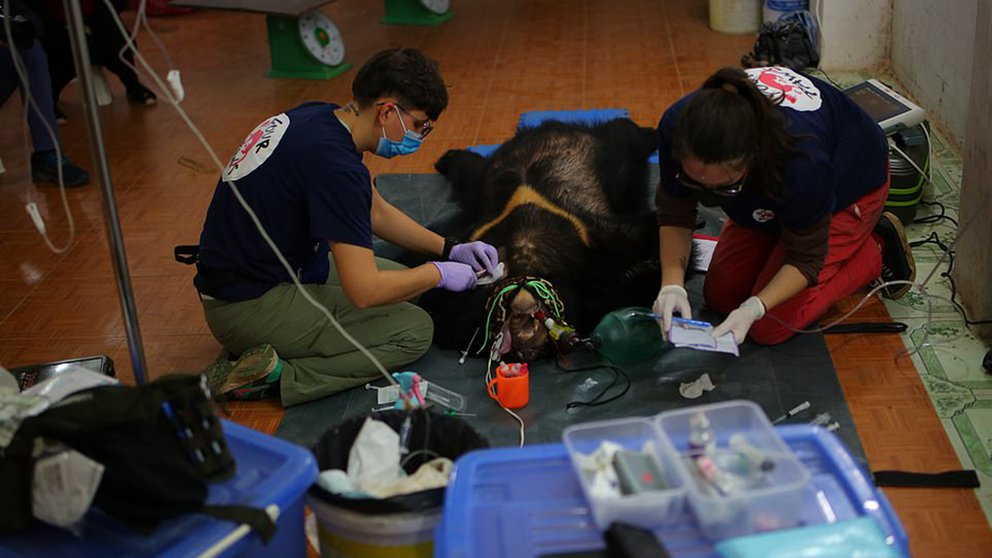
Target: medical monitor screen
{"points": [[877, 104]]}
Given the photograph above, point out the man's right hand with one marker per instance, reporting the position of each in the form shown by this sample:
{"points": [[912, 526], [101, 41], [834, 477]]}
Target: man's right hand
{"points": [[671, 298], [455, 276]]}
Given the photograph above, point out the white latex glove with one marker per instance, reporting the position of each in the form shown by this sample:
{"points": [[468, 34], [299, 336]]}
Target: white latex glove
{"points": [[671, 298], [739, 321]]}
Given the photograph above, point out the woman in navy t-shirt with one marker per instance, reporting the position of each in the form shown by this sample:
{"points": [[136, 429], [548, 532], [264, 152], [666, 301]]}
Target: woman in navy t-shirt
{"points": [[802, 173]]}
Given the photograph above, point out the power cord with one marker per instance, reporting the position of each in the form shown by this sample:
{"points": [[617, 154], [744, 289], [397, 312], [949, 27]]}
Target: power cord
{"points": [[596, 400], [494, 350], [931, 219], [935, 240]]}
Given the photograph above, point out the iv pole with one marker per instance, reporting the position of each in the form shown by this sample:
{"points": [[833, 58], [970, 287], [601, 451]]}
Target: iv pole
{"points": [[81, 56]]}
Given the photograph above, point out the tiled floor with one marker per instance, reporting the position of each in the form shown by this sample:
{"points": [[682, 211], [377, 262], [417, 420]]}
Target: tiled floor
{"points": [[501, 57]]}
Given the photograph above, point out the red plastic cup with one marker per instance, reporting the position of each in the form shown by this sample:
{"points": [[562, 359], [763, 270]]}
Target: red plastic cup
{"points": [[512, 391]]}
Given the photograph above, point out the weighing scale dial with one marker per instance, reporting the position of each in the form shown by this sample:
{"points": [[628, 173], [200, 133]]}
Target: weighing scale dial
{"points": [[322, 38], [436, 6]]}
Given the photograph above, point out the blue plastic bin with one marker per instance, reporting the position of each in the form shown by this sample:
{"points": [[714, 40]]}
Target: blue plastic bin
{"points": [[527, 502], [270, 471]]}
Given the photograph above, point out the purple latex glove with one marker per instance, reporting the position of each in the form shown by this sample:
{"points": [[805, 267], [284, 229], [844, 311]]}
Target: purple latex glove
{"points": [[477, 254], [455, 276]]}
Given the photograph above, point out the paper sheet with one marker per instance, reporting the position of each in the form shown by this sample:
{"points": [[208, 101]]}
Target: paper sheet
{"points": [[695, 334]]}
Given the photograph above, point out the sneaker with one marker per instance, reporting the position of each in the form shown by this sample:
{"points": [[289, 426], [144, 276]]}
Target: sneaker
{"points": [[897, 258], [262, 388], [140, 95], [45, 168], [258, 364]]}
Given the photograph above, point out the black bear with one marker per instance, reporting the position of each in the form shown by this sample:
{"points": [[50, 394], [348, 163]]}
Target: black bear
{"points": [[568, 208]]}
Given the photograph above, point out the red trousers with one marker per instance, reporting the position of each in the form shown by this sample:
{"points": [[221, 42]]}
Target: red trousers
{"points": [[745, 260]]}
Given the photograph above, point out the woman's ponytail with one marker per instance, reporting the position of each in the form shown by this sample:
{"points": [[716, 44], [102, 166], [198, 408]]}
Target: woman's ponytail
{"points": [[730, 121]]}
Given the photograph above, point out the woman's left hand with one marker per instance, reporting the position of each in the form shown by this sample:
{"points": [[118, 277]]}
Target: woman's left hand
{"points": [[739, 321], [477, 254]]}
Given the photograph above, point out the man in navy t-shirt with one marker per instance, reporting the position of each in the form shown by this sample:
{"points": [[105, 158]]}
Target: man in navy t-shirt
{"points": [[302, 175], [802, 173]]}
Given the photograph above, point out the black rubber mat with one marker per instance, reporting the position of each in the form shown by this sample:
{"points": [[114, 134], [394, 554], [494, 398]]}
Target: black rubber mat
{"points": [[777, 378]]}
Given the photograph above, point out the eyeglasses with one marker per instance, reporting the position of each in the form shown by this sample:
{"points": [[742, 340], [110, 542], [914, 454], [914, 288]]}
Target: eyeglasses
{"points": [[727, 190], [422, 127]]}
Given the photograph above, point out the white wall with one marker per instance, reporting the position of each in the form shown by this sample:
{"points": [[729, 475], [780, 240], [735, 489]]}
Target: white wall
{"points": [[854, 33], [929, 45], [933, 43], [973, 244]]}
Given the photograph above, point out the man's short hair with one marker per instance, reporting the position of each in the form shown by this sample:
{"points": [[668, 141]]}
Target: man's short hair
{"points": [[404, 73]]}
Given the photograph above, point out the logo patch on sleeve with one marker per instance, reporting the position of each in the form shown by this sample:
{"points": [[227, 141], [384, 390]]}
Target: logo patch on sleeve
{"points": [[763, 215], [257, 147], [796, 91]]}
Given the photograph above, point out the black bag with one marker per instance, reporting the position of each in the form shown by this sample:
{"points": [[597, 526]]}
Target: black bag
{"points": [[790, 42], [159, 444]]}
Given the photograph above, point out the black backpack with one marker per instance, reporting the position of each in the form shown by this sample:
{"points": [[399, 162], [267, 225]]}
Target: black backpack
{"points": [[789, 42], [159, 444]]}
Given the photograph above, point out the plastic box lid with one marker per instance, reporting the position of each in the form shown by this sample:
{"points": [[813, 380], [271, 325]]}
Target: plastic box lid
{"points": [[524, 502], [269, 471], [772, 504]]}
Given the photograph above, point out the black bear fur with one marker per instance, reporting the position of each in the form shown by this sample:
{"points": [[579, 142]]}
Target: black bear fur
{"points": [[598, 175]]}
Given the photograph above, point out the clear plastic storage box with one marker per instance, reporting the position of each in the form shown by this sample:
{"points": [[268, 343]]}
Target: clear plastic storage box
{"points": [[647, 509], [727, 503]]}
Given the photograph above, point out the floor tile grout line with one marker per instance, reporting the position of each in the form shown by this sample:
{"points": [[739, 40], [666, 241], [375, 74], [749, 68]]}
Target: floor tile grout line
{"points": [[492, 72], [585, 54], [21, 302], [671, 49]]}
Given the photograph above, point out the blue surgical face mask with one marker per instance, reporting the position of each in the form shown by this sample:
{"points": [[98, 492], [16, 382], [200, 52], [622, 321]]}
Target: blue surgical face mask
{"points": [[390, 148]]}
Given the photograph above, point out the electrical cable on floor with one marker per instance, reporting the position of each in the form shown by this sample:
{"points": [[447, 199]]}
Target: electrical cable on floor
{"points": [[595, 401], [935, 240], [489, 376]]}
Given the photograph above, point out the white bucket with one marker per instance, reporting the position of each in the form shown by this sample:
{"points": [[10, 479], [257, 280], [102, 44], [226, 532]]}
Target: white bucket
{"points": [[347, 534], [735, 16], [774, 9]]}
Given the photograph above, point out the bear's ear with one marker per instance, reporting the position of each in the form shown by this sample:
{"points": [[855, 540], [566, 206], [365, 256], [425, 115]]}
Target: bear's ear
{"points": [[621, 160], [456, 163], [649, 137], [464, 169], [625, 132], [466, 172]]}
